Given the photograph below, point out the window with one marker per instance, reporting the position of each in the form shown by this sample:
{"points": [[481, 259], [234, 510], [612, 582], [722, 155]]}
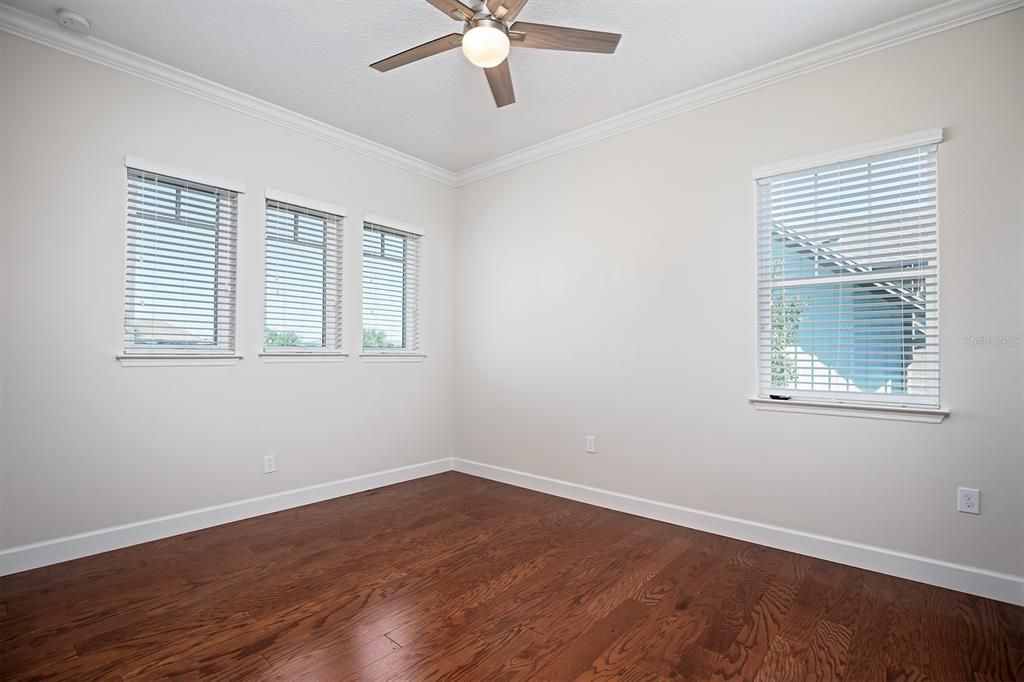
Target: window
{"points": [[180, 275], [848, 281], [390, 289], [303, 279]]}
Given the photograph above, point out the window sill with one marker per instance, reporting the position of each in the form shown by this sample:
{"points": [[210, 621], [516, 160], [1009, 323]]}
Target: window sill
{"points": [[394, 356], [895, 413], [300, 356], [171, 360]]}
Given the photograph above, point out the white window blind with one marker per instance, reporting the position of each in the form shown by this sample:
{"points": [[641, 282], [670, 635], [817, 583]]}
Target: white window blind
{"points": [[303, 278], [180, 275], [391, 273], [848, 281]]}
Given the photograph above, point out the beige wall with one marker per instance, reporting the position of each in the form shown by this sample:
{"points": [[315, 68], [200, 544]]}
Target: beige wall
{"points": [[612, 294], [87, 443], [606, 291]]}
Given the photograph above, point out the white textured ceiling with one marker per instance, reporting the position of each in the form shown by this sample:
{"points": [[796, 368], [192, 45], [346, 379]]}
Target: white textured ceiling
{"points": [[312, 56]]}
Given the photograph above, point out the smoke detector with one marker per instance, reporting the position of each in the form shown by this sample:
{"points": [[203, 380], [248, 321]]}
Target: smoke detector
{"points": [[73, 21]]}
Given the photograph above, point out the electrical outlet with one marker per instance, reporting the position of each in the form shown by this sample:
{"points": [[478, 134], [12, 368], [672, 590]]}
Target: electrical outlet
{"points": [[591, 444], [269, 464], [968, 500]]}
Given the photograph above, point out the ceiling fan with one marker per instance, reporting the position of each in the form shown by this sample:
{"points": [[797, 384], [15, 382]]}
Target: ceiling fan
{"points": [[490, 30]]}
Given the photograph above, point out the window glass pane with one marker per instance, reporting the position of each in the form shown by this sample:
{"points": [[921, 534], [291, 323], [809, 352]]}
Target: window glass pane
{"points": [[861, 338], [302, 278], [179, 293], [390, 273], [848, 279]]}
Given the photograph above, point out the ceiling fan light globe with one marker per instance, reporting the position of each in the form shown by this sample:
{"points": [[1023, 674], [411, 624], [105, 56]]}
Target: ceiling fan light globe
{"points": [[485, 46]]}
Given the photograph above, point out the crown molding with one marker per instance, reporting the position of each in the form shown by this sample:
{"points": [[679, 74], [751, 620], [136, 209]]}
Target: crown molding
{"points": [[48, 33], [911, 27], [918, 25]]}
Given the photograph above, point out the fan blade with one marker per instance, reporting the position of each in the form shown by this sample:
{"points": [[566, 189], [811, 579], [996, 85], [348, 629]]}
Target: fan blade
{"points": [[454, 9], [545, 37], [505, 10], [500, 80], [448, 42]]}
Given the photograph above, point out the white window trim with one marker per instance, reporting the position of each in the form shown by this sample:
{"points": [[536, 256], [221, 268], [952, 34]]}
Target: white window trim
{"points": [[182, 359], [304, 354], [139, 163], [369, 355], [890, 144], [394, 224], [305, 202], [171, 360], [393, 356], [838, 408]]}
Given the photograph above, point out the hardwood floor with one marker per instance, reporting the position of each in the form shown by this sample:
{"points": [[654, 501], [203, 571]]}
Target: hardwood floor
{"points": [[456, 576]]}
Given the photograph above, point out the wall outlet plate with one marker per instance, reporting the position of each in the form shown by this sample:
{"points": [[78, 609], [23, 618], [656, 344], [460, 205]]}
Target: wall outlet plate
{"points": [[968, 500], [591, 444], [269, 464]]}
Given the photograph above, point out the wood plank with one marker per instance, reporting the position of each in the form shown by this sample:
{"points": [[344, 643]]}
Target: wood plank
{"points": [[750, 647]]}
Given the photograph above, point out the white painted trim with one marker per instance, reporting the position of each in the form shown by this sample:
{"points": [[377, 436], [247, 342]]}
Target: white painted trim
{"points": [[177, 360], [394, 356], [55, 551], [921, 24], [305, 202], [891, 144], [139, 163], [393, 224], [1001, 586], [901, 413], [48, 33]]}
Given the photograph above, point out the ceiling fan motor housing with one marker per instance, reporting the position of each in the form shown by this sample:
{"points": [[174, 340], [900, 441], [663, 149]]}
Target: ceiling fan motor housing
{"points": [[487, 21]]}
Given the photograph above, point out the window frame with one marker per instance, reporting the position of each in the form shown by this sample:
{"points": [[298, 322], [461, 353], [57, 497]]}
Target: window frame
{"points": [[407, 230], [141, 356], [299, 353], [879, 406]]}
